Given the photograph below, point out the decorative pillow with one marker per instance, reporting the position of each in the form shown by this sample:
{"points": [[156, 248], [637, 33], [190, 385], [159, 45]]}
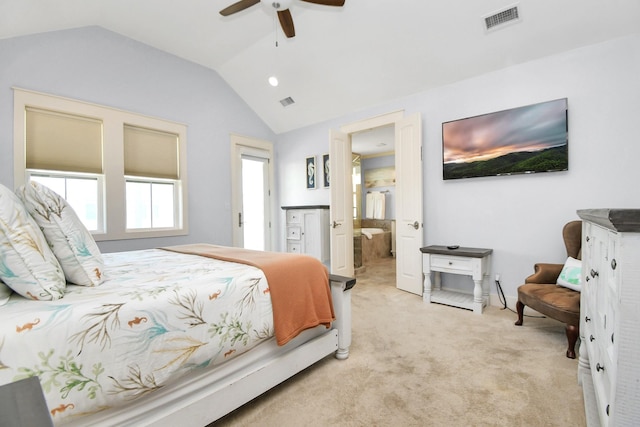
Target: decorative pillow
{"points": [[69, 239], [570, 277], [5, 293], [27, 264]]}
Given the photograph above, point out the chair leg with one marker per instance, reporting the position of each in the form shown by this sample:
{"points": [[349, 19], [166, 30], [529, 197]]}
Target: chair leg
{"points": [[520, 310], [572, 338]]}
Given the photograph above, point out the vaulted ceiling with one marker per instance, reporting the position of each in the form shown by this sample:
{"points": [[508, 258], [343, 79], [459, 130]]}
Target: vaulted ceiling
{"points": [[342, 59]]}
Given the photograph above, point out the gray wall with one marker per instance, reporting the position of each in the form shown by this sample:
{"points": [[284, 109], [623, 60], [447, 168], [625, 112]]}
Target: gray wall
{"points": [[520, 217], [102, 67]]}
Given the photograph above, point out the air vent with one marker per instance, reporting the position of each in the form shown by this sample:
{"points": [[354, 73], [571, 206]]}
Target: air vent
{"points": [[502, 17], [287, 101]]}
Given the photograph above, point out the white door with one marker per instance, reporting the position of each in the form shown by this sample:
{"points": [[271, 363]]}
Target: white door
{"points": [[251, 195], [341, 215], [409, 227]]}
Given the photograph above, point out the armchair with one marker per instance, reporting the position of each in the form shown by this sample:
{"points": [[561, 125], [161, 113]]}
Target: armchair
{"points": [[541, 293]]}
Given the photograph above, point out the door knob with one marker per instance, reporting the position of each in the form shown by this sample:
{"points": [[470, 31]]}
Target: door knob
{"points": [[415, 225], [336, 224]]}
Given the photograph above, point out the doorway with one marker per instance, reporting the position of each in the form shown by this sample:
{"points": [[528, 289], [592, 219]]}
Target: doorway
{"points": [[252, 174], [373, 177], [408, 199]]}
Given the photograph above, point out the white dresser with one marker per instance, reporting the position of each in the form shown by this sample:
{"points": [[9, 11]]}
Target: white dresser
{"points": [[609, 363], [308, 231]]}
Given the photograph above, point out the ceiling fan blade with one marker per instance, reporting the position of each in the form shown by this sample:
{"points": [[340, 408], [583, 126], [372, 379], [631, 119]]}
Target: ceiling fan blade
{"points": [[238, 6], [286, 22], [327, 2]]}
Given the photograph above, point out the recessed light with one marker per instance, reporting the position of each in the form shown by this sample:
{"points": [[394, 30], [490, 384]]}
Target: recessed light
{"points": [[273, 81]]}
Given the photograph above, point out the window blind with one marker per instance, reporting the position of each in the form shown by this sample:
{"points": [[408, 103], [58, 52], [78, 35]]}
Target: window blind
{"points": [[150, 153], [62, 142]]}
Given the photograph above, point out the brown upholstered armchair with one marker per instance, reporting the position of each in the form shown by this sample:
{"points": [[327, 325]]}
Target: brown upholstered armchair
{"points": [[541, 293]]}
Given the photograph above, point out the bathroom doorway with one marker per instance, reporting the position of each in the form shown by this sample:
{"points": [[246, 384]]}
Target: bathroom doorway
{"points": [[373, 177]]}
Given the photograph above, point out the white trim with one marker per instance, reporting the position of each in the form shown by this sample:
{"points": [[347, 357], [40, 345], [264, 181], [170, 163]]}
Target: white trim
{"points": [[246, 145], [373, 122], [113, 120]]}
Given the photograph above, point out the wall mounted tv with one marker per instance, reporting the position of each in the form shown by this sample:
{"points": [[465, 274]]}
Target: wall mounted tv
{"points": [[528, 139]]}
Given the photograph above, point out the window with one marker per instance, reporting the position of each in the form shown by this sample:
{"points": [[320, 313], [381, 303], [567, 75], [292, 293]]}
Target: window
{"points": [[152, 177], [123, 173], [82, 192]]}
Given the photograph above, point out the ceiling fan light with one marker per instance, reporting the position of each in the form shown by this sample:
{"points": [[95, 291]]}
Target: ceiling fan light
{"points": [[277, 4], [273, 81]]}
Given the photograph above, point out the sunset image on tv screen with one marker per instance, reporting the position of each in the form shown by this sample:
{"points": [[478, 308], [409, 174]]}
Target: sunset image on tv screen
{"points": [[527, 139]]}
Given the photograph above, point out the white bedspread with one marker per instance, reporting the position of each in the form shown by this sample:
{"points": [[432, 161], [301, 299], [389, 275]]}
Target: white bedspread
{"points": [[157, 316]]}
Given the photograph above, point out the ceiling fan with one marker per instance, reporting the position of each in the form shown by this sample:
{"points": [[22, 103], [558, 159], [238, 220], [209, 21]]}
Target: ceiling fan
{"points": [[281, 6]]}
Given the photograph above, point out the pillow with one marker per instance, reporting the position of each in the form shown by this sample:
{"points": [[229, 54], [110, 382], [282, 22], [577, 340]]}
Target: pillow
{"points": [[71, 242], [570, 277], [5, 293], [27, 265]]}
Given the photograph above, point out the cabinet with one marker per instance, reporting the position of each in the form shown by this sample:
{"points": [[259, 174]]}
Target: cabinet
{"points": [[608, 367], [307, 229], [474, 262]]}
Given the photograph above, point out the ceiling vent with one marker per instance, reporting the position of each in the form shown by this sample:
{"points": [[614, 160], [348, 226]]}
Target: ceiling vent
{"points": [[501, 18], [287, 101]]}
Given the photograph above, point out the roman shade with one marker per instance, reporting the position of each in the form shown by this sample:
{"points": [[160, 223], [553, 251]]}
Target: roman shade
{"points": [[62, 142], [150, 153]]}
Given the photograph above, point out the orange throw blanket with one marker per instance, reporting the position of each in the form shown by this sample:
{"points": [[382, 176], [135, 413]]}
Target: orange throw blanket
{"points": [[298, 284]]}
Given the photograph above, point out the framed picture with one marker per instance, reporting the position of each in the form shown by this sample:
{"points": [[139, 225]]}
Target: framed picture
{"points": [[325, 168], [381, 177], [311, 172]]}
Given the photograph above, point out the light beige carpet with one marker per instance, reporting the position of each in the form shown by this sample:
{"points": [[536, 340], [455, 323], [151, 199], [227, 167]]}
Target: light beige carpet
{"points": [[416, 364]]}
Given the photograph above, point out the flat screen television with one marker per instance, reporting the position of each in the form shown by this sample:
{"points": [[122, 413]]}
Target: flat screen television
{"points": [[528, 139]]}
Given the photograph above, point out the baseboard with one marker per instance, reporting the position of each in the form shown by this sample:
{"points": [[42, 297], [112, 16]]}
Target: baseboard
{"points": [[494, 301]]}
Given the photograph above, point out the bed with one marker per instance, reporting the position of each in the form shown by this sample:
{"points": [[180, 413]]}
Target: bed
{"points": [[169, 336]]}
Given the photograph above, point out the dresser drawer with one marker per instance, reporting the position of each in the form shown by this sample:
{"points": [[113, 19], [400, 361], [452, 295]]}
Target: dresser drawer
{"points": [[294, 248], [294, 217], [451, 263], [293, 233]]}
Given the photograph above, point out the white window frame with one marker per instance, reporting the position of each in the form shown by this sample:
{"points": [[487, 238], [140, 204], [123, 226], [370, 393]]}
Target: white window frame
{"points": [[113, 177], [100, 190]]}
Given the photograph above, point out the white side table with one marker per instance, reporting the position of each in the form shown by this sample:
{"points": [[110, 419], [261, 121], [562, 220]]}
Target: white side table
{"points": [[474, 262]]}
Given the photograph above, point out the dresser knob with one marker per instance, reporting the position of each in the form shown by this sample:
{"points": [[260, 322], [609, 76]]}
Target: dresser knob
{"points": [[592, 338], [587, 238], [599, 367], [614, 264], [587, 319], [594, 273], [611, 338], [608, 409]]}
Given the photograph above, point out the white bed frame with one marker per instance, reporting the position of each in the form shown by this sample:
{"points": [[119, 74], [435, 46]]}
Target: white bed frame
{"points": [[206, 396]]}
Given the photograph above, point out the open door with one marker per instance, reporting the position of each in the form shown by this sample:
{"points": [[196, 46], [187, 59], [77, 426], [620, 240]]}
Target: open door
{"points": [[409, 227], [341, 214]]}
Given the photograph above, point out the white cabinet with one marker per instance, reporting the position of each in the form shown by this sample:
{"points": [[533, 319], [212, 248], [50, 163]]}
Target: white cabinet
{"points": [[608, 368], [474, 262], [308, 231]]}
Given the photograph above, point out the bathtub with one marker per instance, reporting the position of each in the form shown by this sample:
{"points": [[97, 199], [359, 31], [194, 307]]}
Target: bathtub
{"points": [[370, 232], [375, 243]]}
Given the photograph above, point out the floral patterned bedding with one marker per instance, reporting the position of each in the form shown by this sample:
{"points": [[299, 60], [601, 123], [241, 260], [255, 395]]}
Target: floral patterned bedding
{"points": [[157, 315]]}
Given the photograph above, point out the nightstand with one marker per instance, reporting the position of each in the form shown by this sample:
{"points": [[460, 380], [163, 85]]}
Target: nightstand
{"points": [[474, 262]]}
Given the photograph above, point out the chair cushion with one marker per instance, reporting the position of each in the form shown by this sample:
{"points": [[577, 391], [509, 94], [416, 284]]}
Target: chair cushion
{"points": [[554, 301]]}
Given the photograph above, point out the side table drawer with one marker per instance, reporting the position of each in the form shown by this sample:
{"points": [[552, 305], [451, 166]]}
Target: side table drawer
{"points": [[451, 263]]}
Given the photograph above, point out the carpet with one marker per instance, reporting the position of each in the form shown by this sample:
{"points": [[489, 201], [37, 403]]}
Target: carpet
{"points": [[417, 364]]}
